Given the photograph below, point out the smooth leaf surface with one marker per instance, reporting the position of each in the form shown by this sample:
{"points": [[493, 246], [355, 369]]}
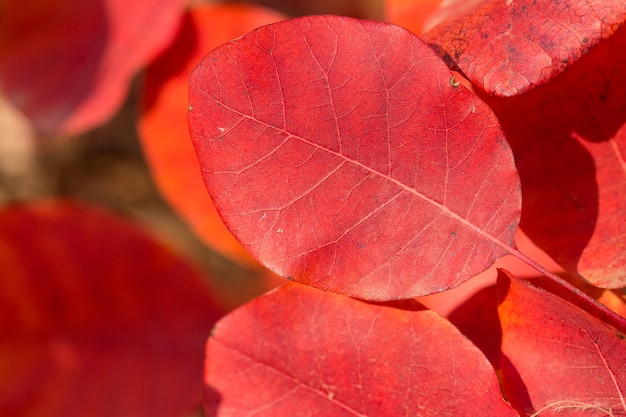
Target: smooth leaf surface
{"points": [[340, 153], [96, 318], [506, 47], [569, 140], [298, 351], [557, 359], [410, 14], [68, 63], [163, 127]]}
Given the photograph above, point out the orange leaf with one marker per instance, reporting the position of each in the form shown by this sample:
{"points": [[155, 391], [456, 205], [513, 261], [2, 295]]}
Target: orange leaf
{"points": [[163, 123], [410, 14]]}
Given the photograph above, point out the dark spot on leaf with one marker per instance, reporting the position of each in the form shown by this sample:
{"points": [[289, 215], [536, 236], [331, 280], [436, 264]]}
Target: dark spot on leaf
{"points": [[621, 335], [361, 245], [453, 234], [602, 98], [485, 35], [585, 40], [289, 278]]}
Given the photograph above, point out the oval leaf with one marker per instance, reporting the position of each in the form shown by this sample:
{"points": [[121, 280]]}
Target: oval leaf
{"points": [[506, 47], [559, 360], [163, 122], [299, 349], [340, 153], [68, 63], [569, 140], [96, 319]]}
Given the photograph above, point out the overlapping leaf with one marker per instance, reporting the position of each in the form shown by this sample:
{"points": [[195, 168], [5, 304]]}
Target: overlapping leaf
{"points": [[163, 123], [96, 319], [557, 359], [506, 47], [67, 63], [342, 153], [569, 139], [298, 351]]}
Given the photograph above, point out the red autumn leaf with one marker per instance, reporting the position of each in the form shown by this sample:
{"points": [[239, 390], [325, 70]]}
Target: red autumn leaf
{"points": [[569, 140], [96, 319], [558, 360], [163, 122], [68, 63], [298, 351], [340, 153], [506, 47]]}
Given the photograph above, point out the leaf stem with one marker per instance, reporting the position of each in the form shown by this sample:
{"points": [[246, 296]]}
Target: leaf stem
{"points": [[590, 304]]}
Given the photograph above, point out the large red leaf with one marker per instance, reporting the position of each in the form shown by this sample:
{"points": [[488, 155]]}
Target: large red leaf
{"points": [[96, 319], [298, 351], [341, 153], [67, 63], [558, 360], [506, 47], [163, 123], [569, 139]]}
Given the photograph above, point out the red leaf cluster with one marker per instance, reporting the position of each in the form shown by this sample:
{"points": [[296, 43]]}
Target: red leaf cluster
{"points": [[344, 154], [364, 168]]}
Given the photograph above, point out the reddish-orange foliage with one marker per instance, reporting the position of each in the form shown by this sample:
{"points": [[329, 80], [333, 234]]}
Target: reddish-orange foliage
{"points": [[344, 154], [163, 122], [96, 318]]}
